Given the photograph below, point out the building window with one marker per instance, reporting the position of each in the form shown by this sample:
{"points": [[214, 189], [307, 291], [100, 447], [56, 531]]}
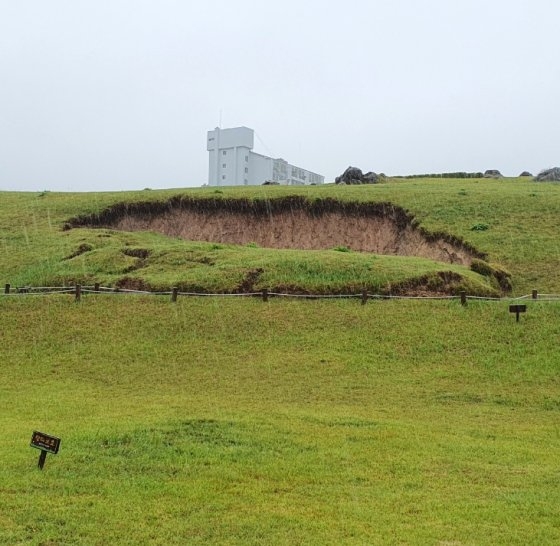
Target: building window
{"points": [[246, 182], [223, 176], [224, 165], [224, 153], [246, 158], [246, 170]]}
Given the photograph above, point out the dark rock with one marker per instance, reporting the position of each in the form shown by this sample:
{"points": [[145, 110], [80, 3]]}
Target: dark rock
{"points": [[270, 183], [492, 173], [548, 175], [525, 173], [370, 178], [353, 175]]}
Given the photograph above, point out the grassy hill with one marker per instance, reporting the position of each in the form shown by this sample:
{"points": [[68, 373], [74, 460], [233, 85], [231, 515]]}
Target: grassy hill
{"points": [[512, 221], [236, 421]]}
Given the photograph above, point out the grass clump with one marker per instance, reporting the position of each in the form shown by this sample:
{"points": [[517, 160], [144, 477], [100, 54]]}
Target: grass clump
{"points": [[480, 227]]}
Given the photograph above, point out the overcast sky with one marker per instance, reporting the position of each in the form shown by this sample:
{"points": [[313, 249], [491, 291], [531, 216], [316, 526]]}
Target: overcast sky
{"points": [[119, 94]]}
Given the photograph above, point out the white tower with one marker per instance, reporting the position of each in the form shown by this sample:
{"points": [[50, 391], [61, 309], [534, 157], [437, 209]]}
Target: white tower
{"points": [[229, 151]]}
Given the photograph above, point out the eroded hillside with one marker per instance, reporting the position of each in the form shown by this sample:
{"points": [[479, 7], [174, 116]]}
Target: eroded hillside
{"points": [[293, 222]]}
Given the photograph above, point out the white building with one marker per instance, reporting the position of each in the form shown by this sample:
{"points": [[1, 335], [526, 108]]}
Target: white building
{"points": [[233, 163]]}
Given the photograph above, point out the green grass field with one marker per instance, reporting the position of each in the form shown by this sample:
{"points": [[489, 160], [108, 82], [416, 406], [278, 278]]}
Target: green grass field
{"points": [[229, 420], [234, 421]]}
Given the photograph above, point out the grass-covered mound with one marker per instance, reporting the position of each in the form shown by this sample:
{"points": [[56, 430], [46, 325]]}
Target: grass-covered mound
{"points": [[512, 222], [57, 256]]}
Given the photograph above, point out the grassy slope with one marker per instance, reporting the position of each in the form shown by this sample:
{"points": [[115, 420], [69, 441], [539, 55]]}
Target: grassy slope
{"points": [[238, 422], [292, 422], [36, 253], [521, 215]]}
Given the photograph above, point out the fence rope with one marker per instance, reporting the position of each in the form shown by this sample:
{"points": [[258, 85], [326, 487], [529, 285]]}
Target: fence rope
{"points": [[39, 293], [104, 290]]}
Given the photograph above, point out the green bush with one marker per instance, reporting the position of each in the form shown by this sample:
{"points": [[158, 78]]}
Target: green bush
{"points": [[480, 227]]}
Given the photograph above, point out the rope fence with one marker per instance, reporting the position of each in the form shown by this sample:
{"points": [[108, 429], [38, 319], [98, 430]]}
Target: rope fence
{"points": [[364, 296]]}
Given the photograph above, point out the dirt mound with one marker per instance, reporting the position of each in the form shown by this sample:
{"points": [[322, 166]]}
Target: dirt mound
{"points": [[291, 222]]}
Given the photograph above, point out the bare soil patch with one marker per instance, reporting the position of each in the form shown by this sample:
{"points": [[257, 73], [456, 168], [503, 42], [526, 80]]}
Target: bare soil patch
{"points": [[292, 222]]}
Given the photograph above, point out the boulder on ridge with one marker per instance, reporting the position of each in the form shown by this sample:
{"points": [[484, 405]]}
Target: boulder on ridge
{"points": [[548, 175], [492, 173], [353, 175]]}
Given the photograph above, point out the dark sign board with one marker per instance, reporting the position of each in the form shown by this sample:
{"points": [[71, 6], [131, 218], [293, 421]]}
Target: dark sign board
{"points": [[517, 309], [43, 441]]}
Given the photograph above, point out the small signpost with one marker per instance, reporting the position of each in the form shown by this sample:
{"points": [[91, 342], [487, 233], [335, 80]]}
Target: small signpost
{"points": [[517, 309], [46, 443]]}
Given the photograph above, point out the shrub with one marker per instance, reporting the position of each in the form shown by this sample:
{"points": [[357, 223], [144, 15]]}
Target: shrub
{"points": [[480, 227]]}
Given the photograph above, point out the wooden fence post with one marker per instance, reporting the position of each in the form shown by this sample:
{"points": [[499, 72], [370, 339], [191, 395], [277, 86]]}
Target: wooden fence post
{"points": [[463, 297], [364, 297], [265, 294], [535, 294], [7, 289], [78, 292], [96, 287], [174, 294]]}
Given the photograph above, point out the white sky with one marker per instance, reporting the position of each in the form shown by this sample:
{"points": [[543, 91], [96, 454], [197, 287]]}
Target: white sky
{"points": [[118, 94]]}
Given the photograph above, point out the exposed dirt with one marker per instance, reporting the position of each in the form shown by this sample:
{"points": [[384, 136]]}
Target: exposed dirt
{"points": [[140, 253], [291, 222], [248, 283], [82, 249]]}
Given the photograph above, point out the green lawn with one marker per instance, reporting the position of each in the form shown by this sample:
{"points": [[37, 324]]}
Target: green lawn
{"points": [[228, 420], [234, 421]]}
